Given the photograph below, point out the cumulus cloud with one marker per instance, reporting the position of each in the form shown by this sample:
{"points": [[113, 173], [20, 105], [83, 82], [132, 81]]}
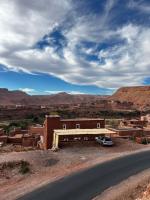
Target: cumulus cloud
{"points": [[23, 23], [124, 63]]}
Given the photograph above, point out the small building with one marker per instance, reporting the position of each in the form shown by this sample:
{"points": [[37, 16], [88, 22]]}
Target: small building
{"points": [[128, 132], [146, 131], [57, 129], [36, 130], [134, 123], [16, 139], [17, 131], [30, 140], [146, 118]]}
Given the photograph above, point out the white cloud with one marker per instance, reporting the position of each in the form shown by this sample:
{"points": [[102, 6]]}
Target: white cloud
{"points": [[140, 6], [60, 91], [23, 23], [123, 64], [53, 91], [76, 92], [28, 90]]}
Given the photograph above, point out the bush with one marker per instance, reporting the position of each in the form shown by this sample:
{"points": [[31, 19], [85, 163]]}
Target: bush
{"points": [[24, 167], [113, 123], [144, 141], [8, 165], [132, 138]]}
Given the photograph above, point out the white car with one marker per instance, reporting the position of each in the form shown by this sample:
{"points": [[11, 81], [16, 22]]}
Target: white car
{"points": [[105, 141], [1, 144]]}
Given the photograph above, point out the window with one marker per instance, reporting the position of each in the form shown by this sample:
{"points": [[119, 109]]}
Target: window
{"points": [[77, 125], [64, 126], [98, 125]]}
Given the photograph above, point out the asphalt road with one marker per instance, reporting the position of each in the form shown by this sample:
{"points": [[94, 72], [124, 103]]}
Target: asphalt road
{"points": [[89, 183]]}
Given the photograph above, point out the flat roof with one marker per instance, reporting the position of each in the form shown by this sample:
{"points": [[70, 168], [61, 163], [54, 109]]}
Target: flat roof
{"points": [[52, 116], [82, 119], [127, 129], [16, 136], [37, 127], [83, 131], [147, 129]]}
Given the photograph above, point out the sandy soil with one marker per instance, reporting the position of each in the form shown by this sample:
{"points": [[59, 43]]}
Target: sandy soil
{"points": [[146, 194], [47, 166]]}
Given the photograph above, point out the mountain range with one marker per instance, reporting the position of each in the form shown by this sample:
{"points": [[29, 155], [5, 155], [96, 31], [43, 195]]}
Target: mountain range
{"points": [[18, 97], [139, 96]]}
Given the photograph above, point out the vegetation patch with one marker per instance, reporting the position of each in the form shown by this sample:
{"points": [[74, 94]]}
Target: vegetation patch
{"points": [[24, 167], [11, 168]]}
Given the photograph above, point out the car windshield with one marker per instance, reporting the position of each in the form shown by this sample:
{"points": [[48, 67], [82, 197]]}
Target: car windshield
{"points": [[107, 139]]}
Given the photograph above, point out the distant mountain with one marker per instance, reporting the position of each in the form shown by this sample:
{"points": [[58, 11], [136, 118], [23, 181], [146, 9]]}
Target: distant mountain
{"points": [[21, 98], [138, 95], [11, 97], [131, 97]]}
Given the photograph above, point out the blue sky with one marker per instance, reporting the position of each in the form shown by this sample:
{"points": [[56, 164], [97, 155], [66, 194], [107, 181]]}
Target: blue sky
{"points": [[77, 46]]}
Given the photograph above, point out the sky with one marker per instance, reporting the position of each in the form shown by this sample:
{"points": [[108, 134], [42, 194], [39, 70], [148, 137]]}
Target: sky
{"points": [[74, 46]]}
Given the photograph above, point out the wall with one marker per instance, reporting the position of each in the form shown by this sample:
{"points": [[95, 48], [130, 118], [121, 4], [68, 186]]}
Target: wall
{"points": [[135, 132], [3, 139], [15, 139], [51, 123], [86, 124], [28, 141], [36, 130]]}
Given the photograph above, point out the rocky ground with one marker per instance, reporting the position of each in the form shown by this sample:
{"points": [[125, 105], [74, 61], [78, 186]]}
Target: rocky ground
{"points": [[146, 194], [46, 166], [136, 187]]}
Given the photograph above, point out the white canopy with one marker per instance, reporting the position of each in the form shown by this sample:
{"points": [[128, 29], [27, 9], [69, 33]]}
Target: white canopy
{"points": [[65, 132]]}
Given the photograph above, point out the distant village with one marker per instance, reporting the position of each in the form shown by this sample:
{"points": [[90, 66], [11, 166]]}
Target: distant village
{"points": [[44, 122], [45, 136]]}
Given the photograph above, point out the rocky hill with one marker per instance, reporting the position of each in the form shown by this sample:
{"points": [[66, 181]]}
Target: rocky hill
{"points": [[21, 98], [124, 98], [11, 97], [139, 96]]}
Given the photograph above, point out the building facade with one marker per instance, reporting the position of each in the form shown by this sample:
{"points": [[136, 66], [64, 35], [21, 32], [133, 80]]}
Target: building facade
{"points": [[54, 122]]}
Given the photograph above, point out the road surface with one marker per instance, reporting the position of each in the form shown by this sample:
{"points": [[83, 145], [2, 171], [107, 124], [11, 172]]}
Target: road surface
{"points": [[87, 184]]}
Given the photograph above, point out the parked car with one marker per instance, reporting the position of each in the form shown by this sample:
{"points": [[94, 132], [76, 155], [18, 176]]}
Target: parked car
{"points": [[105, 141], [1, 144]]}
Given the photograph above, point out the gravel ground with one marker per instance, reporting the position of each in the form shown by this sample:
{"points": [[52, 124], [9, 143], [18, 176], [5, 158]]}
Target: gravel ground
{"points": [[48, 166]]}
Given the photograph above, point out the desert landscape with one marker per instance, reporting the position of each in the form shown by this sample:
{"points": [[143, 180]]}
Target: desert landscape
{"points": [[47, 166], [22, 164], [74, 100]]}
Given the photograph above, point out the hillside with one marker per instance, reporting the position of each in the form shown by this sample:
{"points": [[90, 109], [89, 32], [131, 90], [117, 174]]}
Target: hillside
{"points": [[18, 97], [11, 97], [139, 96], [124, 98]]}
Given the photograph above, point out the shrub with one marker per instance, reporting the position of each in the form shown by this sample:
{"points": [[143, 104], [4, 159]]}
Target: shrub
{"points": [[144, 141], [8, 165], [24, 167], [132, 138]]}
